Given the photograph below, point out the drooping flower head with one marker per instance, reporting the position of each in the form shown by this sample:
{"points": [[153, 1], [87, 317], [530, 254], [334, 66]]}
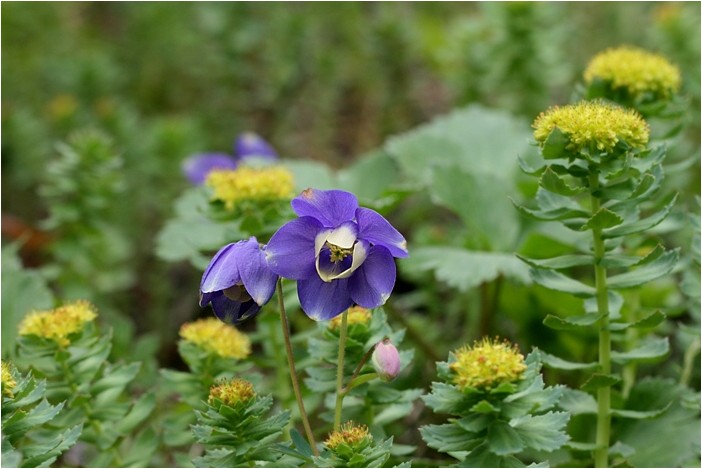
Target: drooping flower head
{"points": [[386, 360], [338, 252], [198, 167], [592, 124], [60, 323], [237, 282], [487, 364], [216, 337], [352, 435], [635, 71], [8, 381], [231, 393], [250, 184], [250, 144]]}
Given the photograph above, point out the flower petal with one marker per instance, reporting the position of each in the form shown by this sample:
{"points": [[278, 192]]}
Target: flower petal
{"points": [[258, 279], [250, 144], [332, 207], [223, 270], [197, 167], [373, 227], [323, 300], [233, 312], [344, 235], [370, 286], [291, 251]]}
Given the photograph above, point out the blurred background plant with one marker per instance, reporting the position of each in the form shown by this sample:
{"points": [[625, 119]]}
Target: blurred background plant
{"points": [[102, 103]]}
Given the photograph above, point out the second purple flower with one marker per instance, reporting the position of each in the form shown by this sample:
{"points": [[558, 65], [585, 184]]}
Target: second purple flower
{"points": [[338, 252]]}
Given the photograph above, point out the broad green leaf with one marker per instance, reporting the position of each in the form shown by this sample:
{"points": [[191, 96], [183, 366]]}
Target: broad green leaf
{"points": [[448, 437], [560, 262], [650, 351], [577, 402], [602, 219], [503, 439], [641, 225], [572, 322], [553, 182], [600, 380], [659, 267], [300, 443], [552, 361], [542, 432], [555, 144], [308, 173], [369, 176], [559, 282], [463, 269]]}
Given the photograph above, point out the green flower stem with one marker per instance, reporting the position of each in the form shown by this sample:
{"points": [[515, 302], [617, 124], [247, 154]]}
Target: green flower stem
{"points": [[340, 370], [293, 373], [605, 348], [357, 371], [357, 381], [631, 338]]}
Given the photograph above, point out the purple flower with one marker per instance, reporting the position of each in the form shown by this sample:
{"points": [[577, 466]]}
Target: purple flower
{"points": [[250, 144], [197, 167], [338, 252], [386, 360], [237, 282]]}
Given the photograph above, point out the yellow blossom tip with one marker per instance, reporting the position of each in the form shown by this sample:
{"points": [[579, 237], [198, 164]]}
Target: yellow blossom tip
{"points": [[487, 364], [356, 315], [593, 124], [8, 381], [350, 434], [250, 184], [635, 70], [232, 392], [217, 337], [59, 323]]}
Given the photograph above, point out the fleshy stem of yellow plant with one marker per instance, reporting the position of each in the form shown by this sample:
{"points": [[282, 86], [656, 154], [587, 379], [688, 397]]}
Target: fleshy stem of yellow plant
{"points": [[605, 347], [340, 371], [293, 373]]}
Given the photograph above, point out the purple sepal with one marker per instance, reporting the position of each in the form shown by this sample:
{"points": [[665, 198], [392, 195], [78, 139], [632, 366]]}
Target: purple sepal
{"points": [[331, 208], [370, 286], [197, 167], [322, 300], [249, 144]]}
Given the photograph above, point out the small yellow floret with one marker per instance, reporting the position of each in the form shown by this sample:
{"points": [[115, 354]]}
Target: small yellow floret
{"points": [[356, 315], [593, 123], [350, 434], [57, 324], [232, 392], [8, 381], [635, 70], [214, 336], [487, 364], [257, 184]]}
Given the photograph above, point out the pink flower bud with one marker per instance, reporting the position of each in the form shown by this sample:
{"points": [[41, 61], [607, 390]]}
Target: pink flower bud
{"points": [[386, 360]]}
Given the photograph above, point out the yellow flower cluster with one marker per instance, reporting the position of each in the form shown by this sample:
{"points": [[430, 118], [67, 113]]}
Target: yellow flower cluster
{"points": [[635, 70], [245, 183], [214, 336], [232, 392], [350, 434], [593, 123], [8, 381], [57, 324], [356, 315], [487, 364]]}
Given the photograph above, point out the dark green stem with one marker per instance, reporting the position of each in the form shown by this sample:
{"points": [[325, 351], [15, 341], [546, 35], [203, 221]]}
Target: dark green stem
{"points": [[340, 371], [605, 347], [293, 373]]}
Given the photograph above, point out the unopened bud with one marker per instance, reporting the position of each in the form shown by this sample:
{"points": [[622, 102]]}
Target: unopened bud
{"points": [[386, 360]]}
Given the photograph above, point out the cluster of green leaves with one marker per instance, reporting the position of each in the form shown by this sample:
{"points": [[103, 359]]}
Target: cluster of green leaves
{"points": [[239, 435], [30, 437], [496, 427], [94, 393], [377, 404]]}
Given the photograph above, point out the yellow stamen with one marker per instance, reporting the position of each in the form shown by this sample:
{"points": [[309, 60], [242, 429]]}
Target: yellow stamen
{"points": [[349, 434], [57, 324], [216, 337], [8, 381], [356, 315], [487, 364], [244, 183], [232, 392]]}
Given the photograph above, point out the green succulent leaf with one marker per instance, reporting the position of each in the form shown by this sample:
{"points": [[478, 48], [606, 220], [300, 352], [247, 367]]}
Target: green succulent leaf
{"points": [[559, 262], [604, 218], [657, 267], [542, 432], [449, 437], [577, 402], [572, 322], [650, 351], [599, 380], [555, 145], [557, 363], [559, 282], [640, 225], [503, 439], [638, 414], [554, 183], [649, 322]]}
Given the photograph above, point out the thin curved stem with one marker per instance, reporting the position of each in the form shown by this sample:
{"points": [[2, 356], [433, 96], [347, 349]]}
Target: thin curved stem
{"points": [[340, 370], [605, 346], [291, 366]]}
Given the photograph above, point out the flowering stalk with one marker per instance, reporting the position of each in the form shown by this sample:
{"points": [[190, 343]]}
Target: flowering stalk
{"points": [[291, 366], [340, 370]]}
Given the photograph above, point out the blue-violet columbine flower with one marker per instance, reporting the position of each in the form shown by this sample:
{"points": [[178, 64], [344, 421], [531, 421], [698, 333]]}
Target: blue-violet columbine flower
{"points": [[338, 252], [197, 167], [249, 144], [237, 282]]}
